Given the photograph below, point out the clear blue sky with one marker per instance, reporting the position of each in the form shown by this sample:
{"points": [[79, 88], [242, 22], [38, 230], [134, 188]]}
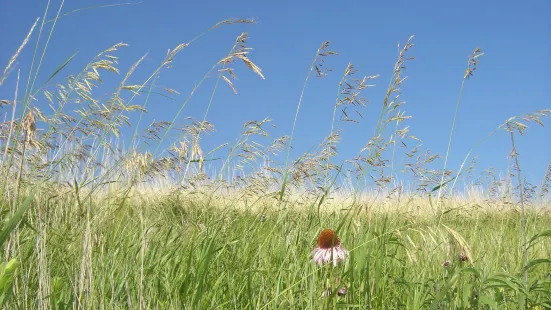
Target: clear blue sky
{"points": [[513, 76]]}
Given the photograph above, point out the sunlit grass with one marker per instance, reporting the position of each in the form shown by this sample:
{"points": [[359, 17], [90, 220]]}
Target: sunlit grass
{"points": [[201, 255]]}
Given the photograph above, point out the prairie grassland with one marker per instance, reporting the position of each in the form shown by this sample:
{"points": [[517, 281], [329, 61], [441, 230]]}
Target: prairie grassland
{"points": [[198, 253], [88, 224]]}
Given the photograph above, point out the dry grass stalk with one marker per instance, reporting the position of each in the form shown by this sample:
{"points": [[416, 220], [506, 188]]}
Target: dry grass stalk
{"points": [[377, 145], [7, 69], [233, 21], [472, 63], [239, 51]]}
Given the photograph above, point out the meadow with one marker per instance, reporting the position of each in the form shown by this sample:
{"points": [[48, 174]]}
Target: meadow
{"points": [[87, 223]]}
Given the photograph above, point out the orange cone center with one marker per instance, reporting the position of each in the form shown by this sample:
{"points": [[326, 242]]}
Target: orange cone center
{"points": [[328, 239]]}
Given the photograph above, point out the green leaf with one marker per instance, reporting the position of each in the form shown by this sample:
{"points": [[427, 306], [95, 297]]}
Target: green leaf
{"points": [[546, 233], [487, 301], [66, 62], [503, 281], [7, 271], [474, 271], [347, 306], [534, 262], [441, 185], [14, 220], [444, 291]]}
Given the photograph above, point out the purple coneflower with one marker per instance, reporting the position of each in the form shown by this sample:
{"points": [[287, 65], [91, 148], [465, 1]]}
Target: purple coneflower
{"points": [[329, 247]]}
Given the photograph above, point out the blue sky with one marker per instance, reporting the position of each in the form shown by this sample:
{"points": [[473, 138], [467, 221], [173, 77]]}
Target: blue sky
{"points": [[512, 77]]}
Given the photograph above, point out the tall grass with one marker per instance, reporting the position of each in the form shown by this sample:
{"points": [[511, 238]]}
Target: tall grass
{"points": [[87, 223]]}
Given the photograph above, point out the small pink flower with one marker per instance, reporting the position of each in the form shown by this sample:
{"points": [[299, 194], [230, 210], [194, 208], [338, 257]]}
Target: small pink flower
{"points": [[341, 292], [329, 248], [329, 292]]}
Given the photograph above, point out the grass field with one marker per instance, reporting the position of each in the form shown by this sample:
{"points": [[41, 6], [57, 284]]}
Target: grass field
{"points": [[87, 224], [186, 253]]}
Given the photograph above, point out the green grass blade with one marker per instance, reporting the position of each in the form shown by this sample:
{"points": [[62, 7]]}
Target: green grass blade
{"points": [[16, 218], [65, 63]]}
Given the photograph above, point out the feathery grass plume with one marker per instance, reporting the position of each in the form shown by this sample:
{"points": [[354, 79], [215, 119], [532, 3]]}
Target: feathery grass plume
{"points": [[249, 152], [528, 189], [255, 187], [98, 120], [271, 168], [348, 94], [518, 124], [63, 129], [238, 51], [427, 178], [520, 127], [317, 64], [512, 126], [153, 130], [472, 64], [233, 21], [251, 169], [7, 69], [136, 164], [308, 173], [180, 152], [493, 186], [165, 64], [193, 133], [81, 88], [376, 145], [470, 168], [93, 116], [6, 131], [28, 127], [544, 187]]}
